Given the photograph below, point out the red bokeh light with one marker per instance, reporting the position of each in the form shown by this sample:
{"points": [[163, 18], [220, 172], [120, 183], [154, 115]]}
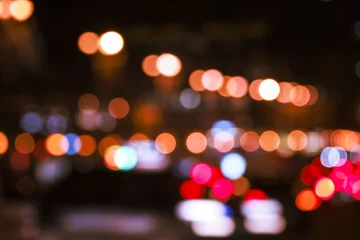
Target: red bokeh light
{"points": [[222, 189], [310, 174], [201, 173], [324, 170], [255, 194], [351, 184], [338, 177], [191, 190], [216, 174], [347, 167]]}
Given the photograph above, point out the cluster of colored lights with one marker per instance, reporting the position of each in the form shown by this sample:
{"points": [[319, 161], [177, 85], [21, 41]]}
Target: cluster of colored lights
{"points": [[333, 172], [19, 10]]}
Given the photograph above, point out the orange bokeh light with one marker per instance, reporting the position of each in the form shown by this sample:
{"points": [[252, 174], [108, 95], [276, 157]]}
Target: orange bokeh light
{"points": [[149, 66], [306, 200], [4, 143], [250, 141], [223, 91], [21, 10], [106, 142], [324, 188], [88, 43], [195, 80], [109, 157], [119, 108], [254, 90], [25, 143], [212, 80], [241, 186], [314, 95], [88, 102], [147, 114], [165, 143], [196, 142], [88, 145], [139, 137], [285, 92], [237, 87], [53, 144], [297, 140], [269, 141], [300, 96]]}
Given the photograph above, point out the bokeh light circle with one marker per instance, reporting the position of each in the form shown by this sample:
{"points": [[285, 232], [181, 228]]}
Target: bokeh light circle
{"points": [[111, 43], [212, 80], [233, 166], [88, 43], [222, 189], [324, 188], [201, 173], [168, 65], [196, 142], [125, 158], [269, 89]]}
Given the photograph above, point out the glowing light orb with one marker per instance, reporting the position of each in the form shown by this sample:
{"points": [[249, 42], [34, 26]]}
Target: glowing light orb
{"points": [[233, 166], [269, 89], [111, 43], [125, 158]]}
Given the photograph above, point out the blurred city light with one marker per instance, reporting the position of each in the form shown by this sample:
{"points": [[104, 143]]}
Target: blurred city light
{"points": [[111, 43]]}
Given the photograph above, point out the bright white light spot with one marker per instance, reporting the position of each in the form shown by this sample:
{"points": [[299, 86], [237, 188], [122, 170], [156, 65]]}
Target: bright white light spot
{"points": [[233, 166]]}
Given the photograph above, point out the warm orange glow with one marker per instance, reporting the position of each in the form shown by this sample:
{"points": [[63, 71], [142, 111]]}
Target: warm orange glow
{"points": [[254, 90], [306, 200], [4, 143], [5, 9], [168, 65], [269, 141], [109, 157], [147, 114], [139, 137], [212, 80], [111, 43], [344, 138], [106, 142], [223, 91], [88, 43], [88, 103], [21, 10], [196, 142], [237, 87], [40, 151], [53, 144], [241, 186], [165, 143], [119, 108], [297, 140], [250, 141], [285, 92], [314, 95], [19, 161], [300, 96], [88, 145], [24, 143], [324, 188], [195, 80], [149, 66]]}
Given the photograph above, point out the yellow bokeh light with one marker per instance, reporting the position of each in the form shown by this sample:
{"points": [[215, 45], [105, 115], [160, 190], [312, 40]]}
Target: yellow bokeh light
{"points": [[269, 89], [168, 65], [111, 43], [324, 188], [21, 10], [88, 43]]}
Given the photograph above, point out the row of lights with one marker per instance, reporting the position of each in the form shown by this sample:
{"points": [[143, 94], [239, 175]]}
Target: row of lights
{"points": [[109, 43]]}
